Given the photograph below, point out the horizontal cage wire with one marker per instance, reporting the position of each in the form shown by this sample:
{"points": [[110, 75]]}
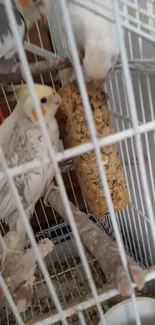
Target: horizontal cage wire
{"points": [[70, 284]]}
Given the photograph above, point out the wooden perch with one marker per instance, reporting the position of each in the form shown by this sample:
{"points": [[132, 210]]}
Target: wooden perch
{"points": [[103, 248], [37, 68]]}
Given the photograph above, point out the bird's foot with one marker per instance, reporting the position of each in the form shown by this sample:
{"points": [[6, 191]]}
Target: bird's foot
{"points": [[45, 246], [50, 188], [137, 275]]}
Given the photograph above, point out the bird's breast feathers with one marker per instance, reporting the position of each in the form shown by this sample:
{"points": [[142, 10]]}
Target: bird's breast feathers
{"points": [[27, 144]]}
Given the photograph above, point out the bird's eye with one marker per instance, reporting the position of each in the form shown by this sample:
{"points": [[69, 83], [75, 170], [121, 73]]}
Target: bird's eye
{"points": [[43, 100]]}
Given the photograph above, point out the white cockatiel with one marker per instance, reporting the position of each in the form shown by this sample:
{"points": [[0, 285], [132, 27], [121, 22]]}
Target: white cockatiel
{"points": [[96, 40], [24, 143], [26, 13]]}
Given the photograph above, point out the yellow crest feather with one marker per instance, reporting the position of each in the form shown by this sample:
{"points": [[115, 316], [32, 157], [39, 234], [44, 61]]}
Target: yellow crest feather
{"points": [[14, 92], [22, 91]]}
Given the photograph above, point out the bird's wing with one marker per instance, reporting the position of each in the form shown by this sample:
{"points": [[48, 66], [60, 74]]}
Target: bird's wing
{"points": [[25, 145], [7, 44], [7, 127], [7, 203]]}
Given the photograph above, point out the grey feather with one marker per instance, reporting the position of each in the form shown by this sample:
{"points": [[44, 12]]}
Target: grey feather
{"points": [[26, 144], [6, 65], [4, 23], [7, 43]]}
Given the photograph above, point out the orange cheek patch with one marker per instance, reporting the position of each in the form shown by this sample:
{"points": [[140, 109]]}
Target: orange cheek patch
{"points": [[43, 111], [24, 3], [34, 115]]}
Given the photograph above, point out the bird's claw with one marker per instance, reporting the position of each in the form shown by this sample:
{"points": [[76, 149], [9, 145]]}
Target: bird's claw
{"points": [[137, 275], [19, 67]]}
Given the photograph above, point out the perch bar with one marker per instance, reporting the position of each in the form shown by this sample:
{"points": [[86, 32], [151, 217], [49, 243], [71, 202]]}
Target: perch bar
{"points": [[37, 68], [103, 248]]}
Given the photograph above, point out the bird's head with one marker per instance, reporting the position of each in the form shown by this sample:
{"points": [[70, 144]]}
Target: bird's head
{"points": [[48, 98], [32, 10], [100, 57]]}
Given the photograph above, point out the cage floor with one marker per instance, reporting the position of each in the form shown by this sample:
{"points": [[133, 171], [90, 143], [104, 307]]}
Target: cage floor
{"points": [[69, 278], [71, 285]]}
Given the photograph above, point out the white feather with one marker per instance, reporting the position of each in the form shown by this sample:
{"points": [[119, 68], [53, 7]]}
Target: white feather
{"points": [[97, 37], [8, 47]]}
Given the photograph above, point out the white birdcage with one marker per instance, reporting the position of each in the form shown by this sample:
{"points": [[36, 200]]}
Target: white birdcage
{"points": [[130, 87]]}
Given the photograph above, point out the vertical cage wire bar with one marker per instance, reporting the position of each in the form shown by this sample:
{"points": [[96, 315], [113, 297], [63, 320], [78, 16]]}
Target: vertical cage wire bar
{"points": [[128, 157], [150, 20], [81, 318], [138, 180], [72, 187], [91, 125], [132, 180], [29, 80], [7, 313], [15, 91], [139, 37], [122, 216], [38, 223], [85, 203], [32, 239], [44, 213], [123, 160], [7, 102], [132, 105], [2, 228], [63, 40], [41, 45], [129, 37], [10, 301], [150, 98], [146, 138], [51, 35]]}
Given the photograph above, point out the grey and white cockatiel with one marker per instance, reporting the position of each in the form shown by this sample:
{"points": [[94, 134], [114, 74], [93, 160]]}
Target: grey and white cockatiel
{"points": [[96, 40], [26, 13], [24, 142]]}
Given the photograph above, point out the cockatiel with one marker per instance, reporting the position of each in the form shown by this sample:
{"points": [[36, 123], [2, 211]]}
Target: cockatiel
{"points": [[26, 13], [96, 40], [24, 143]]}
